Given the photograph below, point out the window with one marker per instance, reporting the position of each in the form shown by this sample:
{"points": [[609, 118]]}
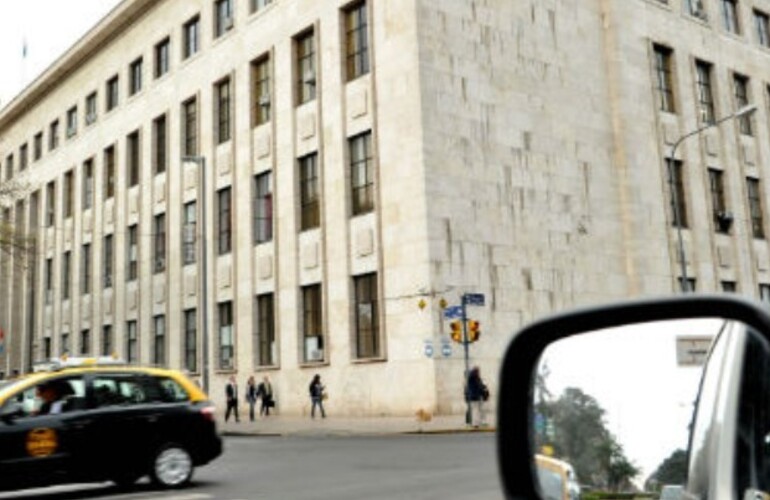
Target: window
{"points": [[663, 79], [223, 111], [309, 193], [313, 346], [762, 23], [223, 17], [132, 251], [366, 311], [48, 281], [132, 339], [722, 219], [162, 60], [224, 221], [688, 286], [226, 336], [53, 135], [109, 172], [9, 167], [85, 269], [676, 177], [65, 343], [37, 148], [362, 173], [190, 35], [741, 86], [255, 5], [705, 95], [50, 204], [729, 286], [135, 77], [88, 184], [266, 345], [306, 77], [159, 146], [132, 158], [189, 228], [66, 269], [107, 340], [190, 127], [108, 260], [696, 9], [85, 342], [72, 121], [159, 248], [159, 345], [260, 75], [730, 16], [755, 208], [23, 157], [69, 193], [263, 208], [91, 108], [356, 41], [191, 340], [764, 293], [112, 93], [47, 349]]}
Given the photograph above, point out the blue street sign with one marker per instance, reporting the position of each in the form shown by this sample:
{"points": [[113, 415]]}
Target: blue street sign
{"points": [[474, 299], [446, 350], [452, 312]]}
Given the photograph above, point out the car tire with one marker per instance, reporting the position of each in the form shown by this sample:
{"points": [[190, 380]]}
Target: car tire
{"points": [[172, 466]]}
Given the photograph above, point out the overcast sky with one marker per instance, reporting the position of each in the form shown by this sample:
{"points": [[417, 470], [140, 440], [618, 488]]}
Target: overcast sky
{"points": [[49, 28]]}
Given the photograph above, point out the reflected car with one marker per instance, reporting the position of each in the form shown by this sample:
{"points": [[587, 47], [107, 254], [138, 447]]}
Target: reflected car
{"points": [[671, 492], [93, 420], [557, 479]]}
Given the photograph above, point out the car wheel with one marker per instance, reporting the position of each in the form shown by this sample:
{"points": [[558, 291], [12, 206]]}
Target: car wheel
{"points": [[172, 466]]}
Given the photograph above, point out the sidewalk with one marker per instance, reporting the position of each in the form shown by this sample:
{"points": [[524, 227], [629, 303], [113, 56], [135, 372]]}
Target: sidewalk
{"points": [[280, 425]]}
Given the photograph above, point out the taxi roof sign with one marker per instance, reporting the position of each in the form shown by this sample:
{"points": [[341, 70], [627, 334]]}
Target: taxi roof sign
{"points": [[66, 361]]}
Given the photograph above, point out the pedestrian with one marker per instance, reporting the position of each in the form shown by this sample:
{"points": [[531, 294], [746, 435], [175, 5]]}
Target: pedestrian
{"points": [[317, 395], [231, 393], [476, 393], [265, 392], [251, 396]]}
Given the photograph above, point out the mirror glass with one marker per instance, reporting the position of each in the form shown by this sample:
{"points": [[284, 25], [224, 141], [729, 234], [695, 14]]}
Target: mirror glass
{"points": [[613, 410]]}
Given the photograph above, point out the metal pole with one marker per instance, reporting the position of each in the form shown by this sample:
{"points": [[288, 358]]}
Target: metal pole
{"points": [[467, 362]]}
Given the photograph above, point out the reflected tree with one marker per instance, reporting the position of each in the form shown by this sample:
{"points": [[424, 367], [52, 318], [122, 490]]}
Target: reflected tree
{"points": [[673, 470]]}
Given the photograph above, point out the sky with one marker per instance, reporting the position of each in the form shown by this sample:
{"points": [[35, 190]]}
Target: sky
{"points": [[49, 28]]}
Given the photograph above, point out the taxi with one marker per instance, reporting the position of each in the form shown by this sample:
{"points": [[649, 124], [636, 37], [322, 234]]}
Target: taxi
{"points": [[77, 420], [557, 478]]}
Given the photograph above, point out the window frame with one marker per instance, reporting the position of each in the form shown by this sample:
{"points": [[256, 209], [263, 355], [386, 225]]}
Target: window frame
{"points": [[356, 36], [362, 173], [368, 342], [310, 195], [263, 209]]}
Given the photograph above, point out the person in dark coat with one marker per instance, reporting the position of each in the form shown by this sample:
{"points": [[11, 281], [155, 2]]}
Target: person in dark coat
{"points": [[317, 396], [265, 391], [251, 396], [231, 393], [476, 393]]}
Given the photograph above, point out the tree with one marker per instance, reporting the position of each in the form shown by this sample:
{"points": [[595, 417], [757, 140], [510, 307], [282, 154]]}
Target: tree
{"points": [[673, 470], [13, 240]]}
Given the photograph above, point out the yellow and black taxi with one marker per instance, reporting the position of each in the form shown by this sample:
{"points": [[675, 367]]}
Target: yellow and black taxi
{"points": [[79, 420]]}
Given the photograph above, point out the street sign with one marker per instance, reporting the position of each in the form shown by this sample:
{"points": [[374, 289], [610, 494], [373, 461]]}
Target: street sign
{"points": [[428, 349], [446, 349], [692, 350], [474, 299], [452, 312]]}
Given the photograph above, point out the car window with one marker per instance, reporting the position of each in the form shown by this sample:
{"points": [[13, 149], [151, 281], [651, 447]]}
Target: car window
{"points": [[171, 391], [551, 483], [58, 395], [122, 390]]}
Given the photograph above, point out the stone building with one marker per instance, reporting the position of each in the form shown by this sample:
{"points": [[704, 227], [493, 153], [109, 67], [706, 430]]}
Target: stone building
{"points": [[352, 167]]}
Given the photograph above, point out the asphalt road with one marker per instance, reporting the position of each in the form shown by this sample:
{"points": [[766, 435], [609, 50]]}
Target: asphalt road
{"points": [[456, 466]]}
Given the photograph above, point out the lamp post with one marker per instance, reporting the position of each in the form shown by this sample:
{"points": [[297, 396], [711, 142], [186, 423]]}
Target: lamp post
{"points": [[746, 110], [201, 162]]}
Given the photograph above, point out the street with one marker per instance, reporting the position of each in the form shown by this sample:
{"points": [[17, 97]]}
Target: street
{"points": [[397, 466]]}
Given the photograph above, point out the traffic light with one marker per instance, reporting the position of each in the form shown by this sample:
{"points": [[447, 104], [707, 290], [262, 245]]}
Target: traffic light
{"points": [[474, 331], [457, 330]]}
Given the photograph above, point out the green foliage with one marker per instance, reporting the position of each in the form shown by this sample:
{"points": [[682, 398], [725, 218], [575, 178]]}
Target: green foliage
{"points": [[673, 470]]}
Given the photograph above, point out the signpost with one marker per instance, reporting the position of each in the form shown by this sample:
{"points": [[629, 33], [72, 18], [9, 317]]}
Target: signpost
{"points": [[692, 350], [453, 312], [468, 299]]}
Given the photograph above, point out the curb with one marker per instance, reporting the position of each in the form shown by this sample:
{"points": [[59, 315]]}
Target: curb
{"points": [[344, 433]]}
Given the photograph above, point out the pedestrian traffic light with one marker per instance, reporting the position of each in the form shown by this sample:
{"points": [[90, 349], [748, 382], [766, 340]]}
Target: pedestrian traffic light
{"points": [[474, 331], [457, 330]]}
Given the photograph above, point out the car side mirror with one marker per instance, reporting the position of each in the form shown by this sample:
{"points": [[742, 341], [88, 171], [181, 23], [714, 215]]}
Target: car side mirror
{"points": [[647, 396], [11, 411]]}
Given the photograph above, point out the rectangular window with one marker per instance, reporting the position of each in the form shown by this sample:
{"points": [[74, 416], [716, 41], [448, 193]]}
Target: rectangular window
{"points": [[678, 207], [305, 62], [189, 228], [226, 336], [159, 344], [37, 149], [159, 247], [88, 184], [705, 94], [755, 208], [260, 77], [107, 340], [85, 269], [663, 80], [109, 172], [132, 253], [741, 86], [23, 157], [762, 23], [47, 351], [312, 324], [688, 286], [696, 9], [356, 41], [159, 145], [362, 173], [162, 59], [48, 281], [190, 127], [69, 193], [112, 94], [309, 192], [108, 260], [53, 135], [85, 342], [729, 286], [764, 293], [132, 158], [190, 34], [65, 343], [730, 16], [367, 322], [191, 340], [255, 5], [722, 219], [224, 221], [223, 110], [263, 207], [91, 108], [66, 269], [267, 355], [135, 77], [9, 167], [132, 339], [72, 121], [50, 204], [223, 17]]}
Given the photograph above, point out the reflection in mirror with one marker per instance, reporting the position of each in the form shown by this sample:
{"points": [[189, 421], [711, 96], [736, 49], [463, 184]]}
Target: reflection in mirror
{"points": [[612, 409]]}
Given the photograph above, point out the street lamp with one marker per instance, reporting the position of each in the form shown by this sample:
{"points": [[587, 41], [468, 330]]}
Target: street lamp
{"points": [[201, 162], [746, 110]]}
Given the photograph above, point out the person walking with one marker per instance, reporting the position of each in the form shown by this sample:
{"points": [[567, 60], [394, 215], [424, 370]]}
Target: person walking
{"points": [[251, 395], [231, 394], [317, 396], [476, 393], [265, 391]]}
